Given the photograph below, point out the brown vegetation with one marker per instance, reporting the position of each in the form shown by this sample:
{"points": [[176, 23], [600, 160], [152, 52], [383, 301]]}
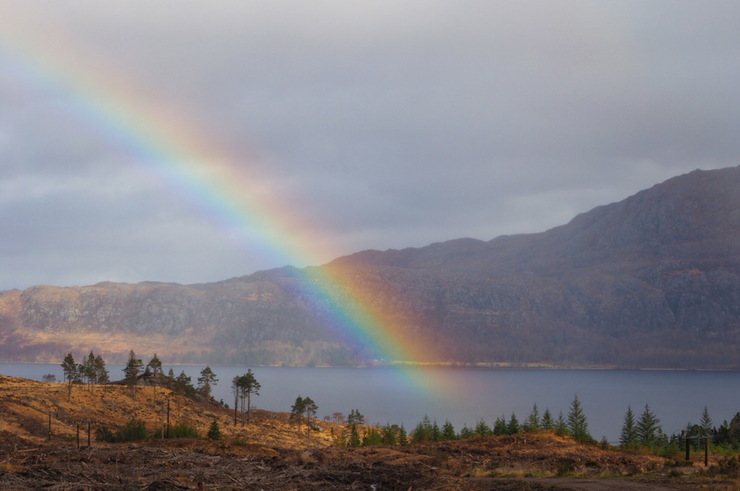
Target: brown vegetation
{"points": [[268, 454]]}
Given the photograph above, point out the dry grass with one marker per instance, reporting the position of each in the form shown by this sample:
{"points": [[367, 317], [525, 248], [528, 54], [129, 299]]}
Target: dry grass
{"points": [[27, 404]]}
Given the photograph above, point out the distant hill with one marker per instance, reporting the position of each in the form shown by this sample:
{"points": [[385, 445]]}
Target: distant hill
{"points": [[650, 281]]}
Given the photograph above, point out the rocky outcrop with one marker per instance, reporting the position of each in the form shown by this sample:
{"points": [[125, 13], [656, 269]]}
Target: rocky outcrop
{"points": [[653, 280]]}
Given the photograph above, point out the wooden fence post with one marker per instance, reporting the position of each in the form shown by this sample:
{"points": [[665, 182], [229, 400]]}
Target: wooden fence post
{"points": [[706, 451], [688, 448]]}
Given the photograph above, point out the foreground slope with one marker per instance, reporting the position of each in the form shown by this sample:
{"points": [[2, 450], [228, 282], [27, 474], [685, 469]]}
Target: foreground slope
{"points": [[653, 280], [268, 454]]}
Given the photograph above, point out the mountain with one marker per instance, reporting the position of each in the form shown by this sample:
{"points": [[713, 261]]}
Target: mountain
{"points": [[650, 281]]}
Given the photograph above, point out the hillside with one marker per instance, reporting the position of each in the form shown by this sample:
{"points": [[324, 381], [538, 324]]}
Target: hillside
{"points": [[270, 455], [651, 281]]}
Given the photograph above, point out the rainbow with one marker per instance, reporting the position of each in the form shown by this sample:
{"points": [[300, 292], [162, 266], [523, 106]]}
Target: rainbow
{"points": [[167, 143]]}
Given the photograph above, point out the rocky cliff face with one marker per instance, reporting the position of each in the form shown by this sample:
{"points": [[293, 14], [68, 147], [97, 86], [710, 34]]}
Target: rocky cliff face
{"points": [[653, 280]]}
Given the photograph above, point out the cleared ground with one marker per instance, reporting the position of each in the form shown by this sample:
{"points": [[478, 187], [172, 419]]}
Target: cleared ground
{"points": [[271, 453]]}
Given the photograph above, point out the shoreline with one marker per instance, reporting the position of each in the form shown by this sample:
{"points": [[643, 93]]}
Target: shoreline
{"points": [[450, 365]]}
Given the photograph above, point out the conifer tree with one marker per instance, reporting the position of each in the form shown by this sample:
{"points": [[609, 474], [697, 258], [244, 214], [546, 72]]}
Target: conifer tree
{"points": [[70, 372], [214, 432], [310, 408], [628, 437], [647, 427], [513, 427], [155, 366], [547, 422], [402, 436], [436, 433], [561, 427], [236, 390], [355, 417], [183, 385], [101, 372], [577, 423], [131, 371], [482, 429], [170, 379], [532, 423], [448, 431], [419, 434], [88, 370], [706, 423], [205, 381], [388, 434], [297, 410], [249, 386], [499, 426], [466, 432]]}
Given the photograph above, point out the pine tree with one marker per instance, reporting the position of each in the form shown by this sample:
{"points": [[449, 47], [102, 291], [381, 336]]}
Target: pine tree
{"points": [[388, 434], [355, 417], [88, 370], [448, 431], [249, 386], [131, 371], [70, 372], [297, 410], [499, 426], [466, 432], [577, 423], [706, 423], [205, 381], [155, 365], [402, 436], [310, 408], [547, 422], [628, 437], [436, 434], [183, 385], [419, 434], [101, 373], [354, 436], [482, 429], [561, 427], [532, 423], [513, 427], [214, 432], [647, 427]]}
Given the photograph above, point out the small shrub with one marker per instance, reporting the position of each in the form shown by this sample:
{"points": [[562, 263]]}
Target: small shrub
{"points": [[103, 434], [729, 466], [182, 430], [240, 441], [565, 467], [135, 430]]}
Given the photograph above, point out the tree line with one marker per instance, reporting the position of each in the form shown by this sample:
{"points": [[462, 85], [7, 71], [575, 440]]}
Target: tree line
{"points": [[638, 431], [93, 371]]}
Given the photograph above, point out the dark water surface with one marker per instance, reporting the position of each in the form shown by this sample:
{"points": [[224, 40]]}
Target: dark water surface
{"points": [[464, 395]]}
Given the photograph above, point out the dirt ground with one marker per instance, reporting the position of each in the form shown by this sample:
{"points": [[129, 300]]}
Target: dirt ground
{"points": [[271, 453]]}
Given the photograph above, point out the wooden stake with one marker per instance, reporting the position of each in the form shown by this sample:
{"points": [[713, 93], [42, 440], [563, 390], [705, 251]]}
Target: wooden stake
{"points": [[706, 451], [688, 448], [168, 417], [78, 436]]}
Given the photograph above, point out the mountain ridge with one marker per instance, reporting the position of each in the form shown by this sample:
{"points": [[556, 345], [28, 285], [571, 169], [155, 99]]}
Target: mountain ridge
{"points": [[651, 280]]}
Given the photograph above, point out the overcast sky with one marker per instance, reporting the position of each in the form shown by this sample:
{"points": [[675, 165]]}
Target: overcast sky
{"points": [[383, 124]]}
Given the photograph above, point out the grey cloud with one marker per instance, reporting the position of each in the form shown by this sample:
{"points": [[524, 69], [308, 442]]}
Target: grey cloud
{"points": [[391, 124]]}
